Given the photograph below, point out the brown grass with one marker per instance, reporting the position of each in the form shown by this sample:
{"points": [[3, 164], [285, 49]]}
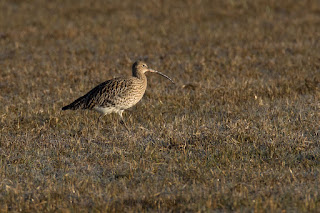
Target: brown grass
{"points": [[239, 131]]}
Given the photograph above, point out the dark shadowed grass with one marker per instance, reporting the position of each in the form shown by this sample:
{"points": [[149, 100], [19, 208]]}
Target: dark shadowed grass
{"points": [[238, 132]]}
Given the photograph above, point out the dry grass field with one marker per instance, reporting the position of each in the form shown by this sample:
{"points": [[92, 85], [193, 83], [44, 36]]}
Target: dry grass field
{"points": [[239, 131]]}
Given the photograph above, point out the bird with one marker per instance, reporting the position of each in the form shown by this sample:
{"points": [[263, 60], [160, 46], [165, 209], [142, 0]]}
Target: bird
{"points": [[117, 94]]}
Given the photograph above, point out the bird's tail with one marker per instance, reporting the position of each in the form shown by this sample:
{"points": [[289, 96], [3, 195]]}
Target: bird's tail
{"points": [[77, 104], [67, 107]]}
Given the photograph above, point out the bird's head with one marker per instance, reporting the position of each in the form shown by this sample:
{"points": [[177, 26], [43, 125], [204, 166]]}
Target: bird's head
{"points": [[142, 67]]}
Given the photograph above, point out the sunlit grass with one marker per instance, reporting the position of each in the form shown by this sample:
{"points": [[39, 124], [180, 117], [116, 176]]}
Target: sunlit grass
{"points": [[238, 132]]}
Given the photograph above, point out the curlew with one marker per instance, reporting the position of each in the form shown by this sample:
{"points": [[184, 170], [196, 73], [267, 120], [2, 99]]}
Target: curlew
{"points": [[117, 94]]}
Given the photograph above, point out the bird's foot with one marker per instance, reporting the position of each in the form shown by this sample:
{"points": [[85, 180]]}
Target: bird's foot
{"points": [[124, 124]]}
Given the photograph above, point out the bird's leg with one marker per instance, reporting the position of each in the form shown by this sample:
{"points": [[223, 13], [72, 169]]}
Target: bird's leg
{"points": [[122, 121], [99, 120]]}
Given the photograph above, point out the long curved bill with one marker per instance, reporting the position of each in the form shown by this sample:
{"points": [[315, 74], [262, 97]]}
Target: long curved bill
{"points": [[155, 71]]}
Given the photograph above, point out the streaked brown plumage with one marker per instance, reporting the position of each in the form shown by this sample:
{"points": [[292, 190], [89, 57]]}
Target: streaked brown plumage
{"points": [[118, 94]]}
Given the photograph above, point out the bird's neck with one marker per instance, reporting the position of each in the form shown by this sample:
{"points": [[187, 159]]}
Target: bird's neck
{"points": [[139, 75]]}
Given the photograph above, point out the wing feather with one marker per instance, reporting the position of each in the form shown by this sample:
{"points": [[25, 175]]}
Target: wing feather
{"points": [[104, 95]]}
